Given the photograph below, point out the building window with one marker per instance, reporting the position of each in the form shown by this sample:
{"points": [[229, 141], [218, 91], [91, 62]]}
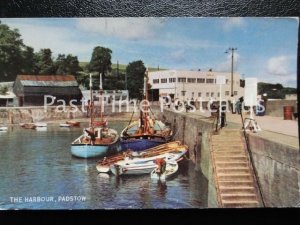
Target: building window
{"points": [[218, 94], [200, 80], [155, 81], [227, 81], [211, 94], [164, 80], [172, 80], [182, 79], [235, 93], [191, 80], [207, 94], [226, 93], [210, 81], [199, 94]]}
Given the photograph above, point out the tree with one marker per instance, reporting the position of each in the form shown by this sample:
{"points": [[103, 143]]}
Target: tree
{"points": [[101, 60], [28, 61], [11, 47], [67, 65], [44, 62], [135, 78]]}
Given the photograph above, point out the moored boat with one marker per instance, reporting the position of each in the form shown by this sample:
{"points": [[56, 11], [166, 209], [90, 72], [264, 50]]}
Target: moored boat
{"points": [[39, 124], [64, 125], [28, 125], [73, 123], [103, 165], [136, 166], [171, 169], [96, 141], [3, 128], [147, 132], [85, 147]]}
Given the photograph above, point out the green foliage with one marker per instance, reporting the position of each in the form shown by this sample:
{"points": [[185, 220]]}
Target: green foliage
{"points": [[67, 65], [44, 62], [11, 48], [274, 91], [3, 90], [135, 78], [101, 60], [28, 61]]}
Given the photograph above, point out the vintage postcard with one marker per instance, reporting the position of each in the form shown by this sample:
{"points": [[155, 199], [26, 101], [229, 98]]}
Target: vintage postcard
{"points": [[138, 113]]}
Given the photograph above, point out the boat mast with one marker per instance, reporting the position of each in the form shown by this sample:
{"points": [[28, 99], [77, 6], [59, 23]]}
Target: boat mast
{"points": [[101, 92], [91, 101], [146, 108]]}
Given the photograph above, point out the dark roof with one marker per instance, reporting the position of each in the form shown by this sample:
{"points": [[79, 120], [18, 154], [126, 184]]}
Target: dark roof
{"points": [[47, 80]]}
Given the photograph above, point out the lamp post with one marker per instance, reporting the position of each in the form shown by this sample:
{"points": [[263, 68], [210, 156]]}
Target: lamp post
{"points": [[232, 53]]}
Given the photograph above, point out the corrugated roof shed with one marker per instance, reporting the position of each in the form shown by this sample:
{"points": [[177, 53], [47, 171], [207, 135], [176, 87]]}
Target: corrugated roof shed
{"points": [[48, 80]]}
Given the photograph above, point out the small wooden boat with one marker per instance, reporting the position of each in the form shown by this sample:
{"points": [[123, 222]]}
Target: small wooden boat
{"points": [[3, 128], [28, 125], [103, 166], [171, 169], [137, 166], [73, 123]]}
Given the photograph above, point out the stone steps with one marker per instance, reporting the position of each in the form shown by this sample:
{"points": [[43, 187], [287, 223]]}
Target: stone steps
{"points": [[240, 204], [237, 190], [229, 153], [234, 176], [239, 197], [230, 177], [224, 164], [242, 170]]}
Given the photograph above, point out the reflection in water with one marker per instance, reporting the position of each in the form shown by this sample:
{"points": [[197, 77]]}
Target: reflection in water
{"points": [[161, 189], [34, 163]]}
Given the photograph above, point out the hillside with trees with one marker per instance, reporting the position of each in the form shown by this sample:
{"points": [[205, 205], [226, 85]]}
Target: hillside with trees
{"points": [[274, 91]]}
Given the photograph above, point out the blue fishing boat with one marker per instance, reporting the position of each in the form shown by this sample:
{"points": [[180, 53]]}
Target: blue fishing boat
{"points": [[97, 140], [147, 132], [85, 147]]}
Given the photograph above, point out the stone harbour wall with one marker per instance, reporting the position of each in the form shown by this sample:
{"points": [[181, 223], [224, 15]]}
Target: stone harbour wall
{"points": [[36, 114]]}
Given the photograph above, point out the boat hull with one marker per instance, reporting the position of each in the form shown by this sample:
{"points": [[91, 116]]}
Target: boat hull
{"points": [[89, 151], [141, 144], [171, 169]]}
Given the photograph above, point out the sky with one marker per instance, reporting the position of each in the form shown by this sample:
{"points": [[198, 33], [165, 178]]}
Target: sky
{"points": [[266, 47]]}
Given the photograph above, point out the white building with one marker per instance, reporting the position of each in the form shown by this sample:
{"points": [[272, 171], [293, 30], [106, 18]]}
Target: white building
{"points": [[186, 85], [108, 95]]}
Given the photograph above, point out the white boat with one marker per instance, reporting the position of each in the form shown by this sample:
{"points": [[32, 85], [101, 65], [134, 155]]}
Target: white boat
{"points": [[64, 125], [41, 128], [40, 124], [3, 128], [103, 165], [144, 165], [171, 169]]}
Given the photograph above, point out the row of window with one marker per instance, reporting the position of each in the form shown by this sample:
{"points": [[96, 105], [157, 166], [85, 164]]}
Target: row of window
{"points": [[209, 94], [188, 80]]}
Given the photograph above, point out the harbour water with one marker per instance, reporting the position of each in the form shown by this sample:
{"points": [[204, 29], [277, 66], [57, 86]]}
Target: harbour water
{"points": [[38, 172]]}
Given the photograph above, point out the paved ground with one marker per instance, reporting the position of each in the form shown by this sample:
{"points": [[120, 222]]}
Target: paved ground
{"points": [[274, 128], [266, 123]]}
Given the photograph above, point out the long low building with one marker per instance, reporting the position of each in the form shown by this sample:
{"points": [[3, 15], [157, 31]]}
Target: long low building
{"points": [[196, 85], [31, 89]]}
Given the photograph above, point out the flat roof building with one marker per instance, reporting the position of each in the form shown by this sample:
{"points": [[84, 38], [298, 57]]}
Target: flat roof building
{"points": [[187, 85]]}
